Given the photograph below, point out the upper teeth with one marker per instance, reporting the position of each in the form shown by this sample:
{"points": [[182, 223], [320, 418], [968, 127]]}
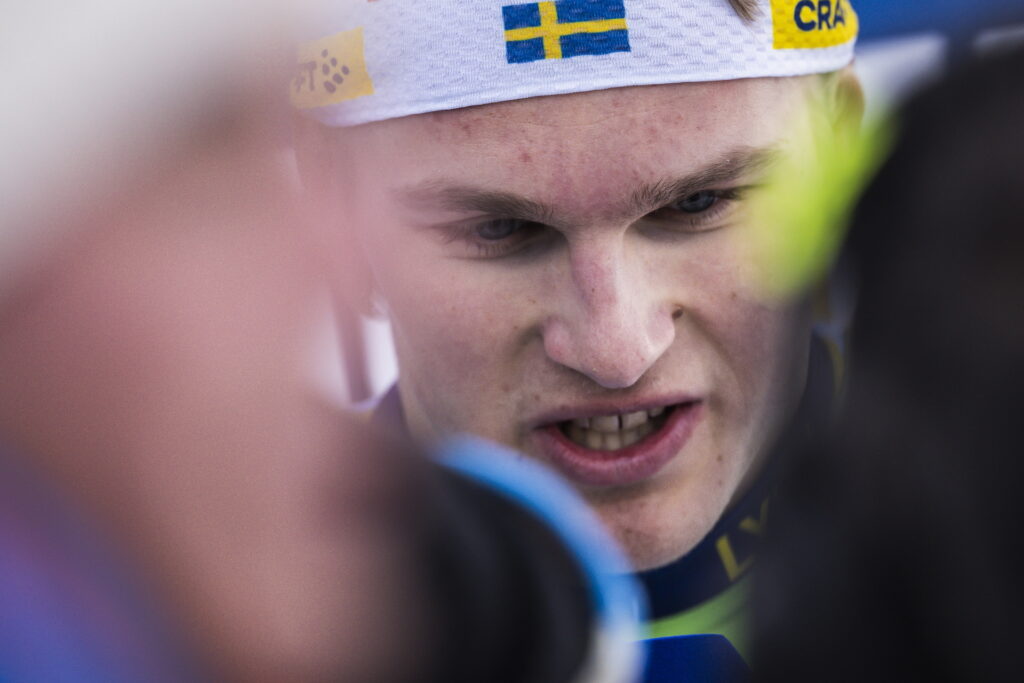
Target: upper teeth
{"points": [[615, 423]]}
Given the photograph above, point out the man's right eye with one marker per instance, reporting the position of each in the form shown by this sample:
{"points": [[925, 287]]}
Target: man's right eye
{"points": [[498, 237]]}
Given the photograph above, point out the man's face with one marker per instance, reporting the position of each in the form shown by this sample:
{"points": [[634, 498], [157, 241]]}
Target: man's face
{"points": [[563, 276]]}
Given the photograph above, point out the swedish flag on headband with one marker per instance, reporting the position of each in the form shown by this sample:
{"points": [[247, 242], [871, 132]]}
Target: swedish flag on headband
{"points": [[564, 28]]}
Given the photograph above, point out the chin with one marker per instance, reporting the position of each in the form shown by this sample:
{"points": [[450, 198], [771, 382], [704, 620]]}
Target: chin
{"points": [[651, 555], [655, 533]]}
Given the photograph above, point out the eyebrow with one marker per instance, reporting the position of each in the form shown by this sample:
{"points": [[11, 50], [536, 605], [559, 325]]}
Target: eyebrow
{"points": [[737, 163], [464, 198], [740, 162]]}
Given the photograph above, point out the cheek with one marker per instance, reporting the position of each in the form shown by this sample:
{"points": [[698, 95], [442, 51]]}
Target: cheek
{"points": [[756, 332], [456, 336], [755, 337], [756, 387], [745, 337]]}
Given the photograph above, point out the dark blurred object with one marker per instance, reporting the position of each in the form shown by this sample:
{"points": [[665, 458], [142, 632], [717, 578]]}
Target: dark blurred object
{"points": [[522, 583], [352, 337], [896, 548], [511, 603]]}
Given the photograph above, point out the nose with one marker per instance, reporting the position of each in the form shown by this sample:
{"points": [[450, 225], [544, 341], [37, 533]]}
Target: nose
{"points": [[611, 324]]}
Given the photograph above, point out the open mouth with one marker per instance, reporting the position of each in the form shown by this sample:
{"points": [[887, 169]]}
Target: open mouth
{"points": [[615, 432], [621, 448]]}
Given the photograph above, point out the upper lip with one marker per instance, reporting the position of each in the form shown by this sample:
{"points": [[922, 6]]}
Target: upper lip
{"points": [[608, 407]]}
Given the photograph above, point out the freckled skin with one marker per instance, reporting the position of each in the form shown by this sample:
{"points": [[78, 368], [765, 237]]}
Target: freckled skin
{"points": [[604, 312]]}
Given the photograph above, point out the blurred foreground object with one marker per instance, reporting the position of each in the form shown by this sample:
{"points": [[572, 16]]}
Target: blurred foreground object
{"points": [[526, 583], [100, 92], [804, 203], [897, 542], [174, 474], [175, 504]]}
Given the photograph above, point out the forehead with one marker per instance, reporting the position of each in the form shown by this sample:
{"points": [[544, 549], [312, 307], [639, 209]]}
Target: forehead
{"points": [[580, 143]]}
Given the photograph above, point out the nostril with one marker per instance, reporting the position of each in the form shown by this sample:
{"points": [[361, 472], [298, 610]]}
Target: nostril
{"points": [[615, 348], [677, 314]]}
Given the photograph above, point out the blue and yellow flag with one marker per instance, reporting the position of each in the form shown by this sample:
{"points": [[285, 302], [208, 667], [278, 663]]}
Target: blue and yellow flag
{"points": [[564, 28]]}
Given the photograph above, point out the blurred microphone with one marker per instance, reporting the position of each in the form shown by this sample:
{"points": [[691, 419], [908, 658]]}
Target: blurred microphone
{"points": [[522, 583]]}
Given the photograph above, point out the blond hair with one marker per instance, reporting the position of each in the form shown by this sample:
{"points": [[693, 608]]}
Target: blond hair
{"points": [[747, 9]]}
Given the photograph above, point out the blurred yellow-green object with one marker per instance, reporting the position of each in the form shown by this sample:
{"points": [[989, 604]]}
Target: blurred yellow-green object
{"points": [[801, 212]]}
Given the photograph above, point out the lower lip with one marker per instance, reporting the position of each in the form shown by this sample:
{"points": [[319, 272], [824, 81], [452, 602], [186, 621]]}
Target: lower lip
{"points": [[626, 466]]}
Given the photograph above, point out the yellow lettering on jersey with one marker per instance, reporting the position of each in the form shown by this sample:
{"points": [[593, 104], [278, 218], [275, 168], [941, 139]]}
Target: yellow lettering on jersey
{"points": [[734, 568]]}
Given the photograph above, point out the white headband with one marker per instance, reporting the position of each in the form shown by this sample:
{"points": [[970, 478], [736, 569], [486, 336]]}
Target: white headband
{"points": [[369, 60]]}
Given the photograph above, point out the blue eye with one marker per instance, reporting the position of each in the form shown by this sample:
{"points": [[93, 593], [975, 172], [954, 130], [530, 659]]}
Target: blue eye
{"points": [[499, 229], [697, 202], [498, 237], [698, 212]]}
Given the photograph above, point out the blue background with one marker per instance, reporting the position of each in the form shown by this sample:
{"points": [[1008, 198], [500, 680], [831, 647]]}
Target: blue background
{"points": [[960, 20]]}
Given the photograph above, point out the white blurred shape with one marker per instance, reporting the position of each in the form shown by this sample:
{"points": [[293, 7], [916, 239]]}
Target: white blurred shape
{"points": [[91, 89], [380, 355], [893, 69], [326, 369]]}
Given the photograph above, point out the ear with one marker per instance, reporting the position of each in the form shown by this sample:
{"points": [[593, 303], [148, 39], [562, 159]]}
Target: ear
{"points": [[846, 101], [327, 186]]}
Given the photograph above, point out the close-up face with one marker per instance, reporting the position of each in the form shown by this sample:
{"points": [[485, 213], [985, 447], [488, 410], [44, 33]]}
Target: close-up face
{"points": [[566, 275]]}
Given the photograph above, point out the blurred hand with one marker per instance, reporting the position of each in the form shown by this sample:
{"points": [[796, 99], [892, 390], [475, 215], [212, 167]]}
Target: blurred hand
{"points": [[155, 363]]}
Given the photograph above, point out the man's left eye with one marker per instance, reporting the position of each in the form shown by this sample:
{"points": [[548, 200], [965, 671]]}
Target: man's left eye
{"points": [[501, 229], [697, 202], [698, 211]]}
